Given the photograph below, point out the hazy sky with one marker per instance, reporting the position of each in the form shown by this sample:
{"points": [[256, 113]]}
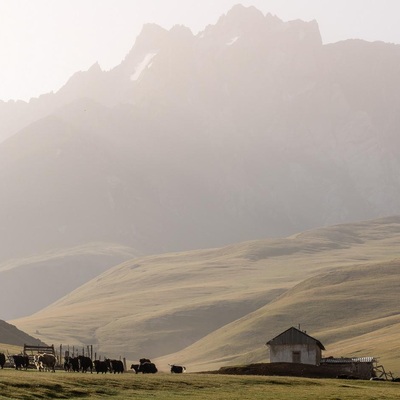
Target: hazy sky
{"points": [[44, 42]]}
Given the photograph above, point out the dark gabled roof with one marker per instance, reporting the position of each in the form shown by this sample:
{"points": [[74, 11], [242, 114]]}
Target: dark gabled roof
{"points": [[294, 336]]}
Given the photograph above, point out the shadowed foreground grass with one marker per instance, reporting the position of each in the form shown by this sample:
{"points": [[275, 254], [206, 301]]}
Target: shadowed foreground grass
{"points": [[60, 385]]}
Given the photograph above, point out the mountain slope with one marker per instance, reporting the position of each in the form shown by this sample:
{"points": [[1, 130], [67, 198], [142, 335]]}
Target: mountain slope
{"points": [[158, 305], [60, 271], [252, 128], [11, 335], [352, 310]]}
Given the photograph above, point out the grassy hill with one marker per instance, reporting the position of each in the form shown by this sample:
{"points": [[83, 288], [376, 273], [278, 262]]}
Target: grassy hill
{"points": [[353, 311], [43, 278], [215, 307], [11, 337]]}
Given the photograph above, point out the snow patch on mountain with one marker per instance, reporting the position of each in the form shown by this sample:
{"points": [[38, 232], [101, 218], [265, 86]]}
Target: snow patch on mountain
{"points": [[233, 40], [145, 63]]}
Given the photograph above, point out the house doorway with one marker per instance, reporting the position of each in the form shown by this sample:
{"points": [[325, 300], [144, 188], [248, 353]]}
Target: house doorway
{"points": [[296, 357]]}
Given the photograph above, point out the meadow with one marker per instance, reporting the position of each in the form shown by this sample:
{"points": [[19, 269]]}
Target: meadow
{"points": [[31, 384]]}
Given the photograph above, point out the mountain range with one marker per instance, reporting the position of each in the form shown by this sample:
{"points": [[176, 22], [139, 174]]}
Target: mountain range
{"points": [[251, 129]]}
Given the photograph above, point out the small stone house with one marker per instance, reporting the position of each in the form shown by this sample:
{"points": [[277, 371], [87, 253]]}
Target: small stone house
{"points": [[295, 346]]}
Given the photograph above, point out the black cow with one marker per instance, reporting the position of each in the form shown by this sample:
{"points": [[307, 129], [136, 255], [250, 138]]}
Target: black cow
{"points": [[147, 368], [177, 369], [2, 360], [21, 361], [85, 363], [68, 364], [71, 364], [100, 366], [115, 366], [135, 367]]}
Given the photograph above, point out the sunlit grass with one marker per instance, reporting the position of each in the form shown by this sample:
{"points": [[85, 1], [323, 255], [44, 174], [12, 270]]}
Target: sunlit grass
{"points": [[10, 349], [60, 385]]}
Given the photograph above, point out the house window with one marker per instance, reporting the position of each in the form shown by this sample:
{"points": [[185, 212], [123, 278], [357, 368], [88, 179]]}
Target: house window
{"points": [[296, 357]]}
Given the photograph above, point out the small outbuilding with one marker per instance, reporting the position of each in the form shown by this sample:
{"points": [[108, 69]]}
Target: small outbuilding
{"points": [[295, 346], [356, 367]]}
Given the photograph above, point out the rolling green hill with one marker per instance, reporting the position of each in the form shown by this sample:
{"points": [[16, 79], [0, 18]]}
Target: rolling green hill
{"points": [[353, 311], [215, 307], [43, 278]]}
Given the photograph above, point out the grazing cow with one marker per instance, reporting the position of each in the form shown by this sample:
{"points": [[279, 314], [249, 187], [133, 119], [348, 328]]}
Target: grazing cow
{"points": [[177, 369], [85, 363], [45, 362], [100, 366], [21, 361], [115, 366], [135, 367], [147, 368], [2, 360]]}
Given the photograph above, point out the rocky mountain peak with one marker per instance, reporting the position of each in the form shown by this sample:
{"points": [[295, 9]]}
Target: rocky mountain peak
{"points": [[240, 14], [95, 68], [239, 20], [151, 38], [266, 31], [304, 32], [150, 34]]}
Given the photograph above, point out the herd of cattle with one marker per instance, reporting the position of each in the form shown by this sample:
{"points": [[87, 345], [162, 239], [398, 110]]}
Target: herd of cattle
{"points": [[47, 362]]}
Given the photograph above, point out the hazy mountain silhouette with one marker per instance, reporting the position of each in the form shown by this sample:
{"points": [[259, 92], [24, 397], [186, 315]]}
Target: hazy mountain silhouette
{"points": [[252, 128]]}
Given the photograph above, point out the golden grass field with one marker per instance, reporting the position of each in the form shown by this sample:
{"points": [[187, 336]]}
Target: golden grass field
{"points": [[216, 307], [10, 349], [31, 384]]}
